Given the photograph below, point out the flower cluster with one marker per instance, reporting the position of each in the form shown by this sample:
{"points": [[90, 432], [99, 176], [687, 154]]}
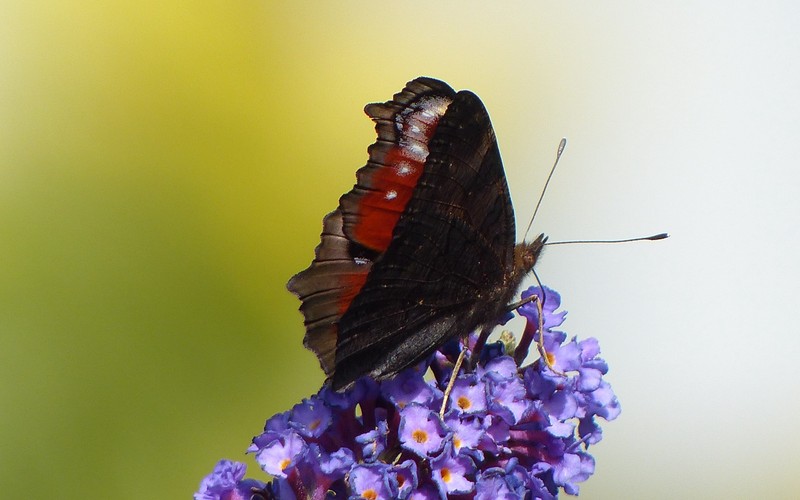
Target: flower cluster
{"points": [[504, 431]]}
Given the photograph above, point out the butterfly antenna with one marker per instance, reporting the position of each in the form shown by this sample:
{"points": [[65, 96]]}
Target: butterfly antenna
{"points": [[659, 236], [561, 146]]}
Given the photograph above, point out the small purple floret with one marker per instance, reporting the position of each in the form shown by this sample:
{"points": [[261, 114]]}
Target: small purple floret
{"points": [[279, 456], [421, 431], [373, 482], [468, 395], [452, 472], [226, 483]]}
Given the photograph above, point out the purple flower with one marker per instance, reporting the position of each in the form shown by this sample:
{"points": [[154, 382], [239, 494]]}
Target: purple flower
{"points": [[507, 396], [408, 387], [561, 404], [275, 426], [467, 432], [493, 484], [427, 492], [373, 482], [552, 301], [282, 454], [407, 478], [310, 418], [573, 468], [601, 402], [450, 473], [499, 368], [510, 483], [328, 467], [510, 431], [421, 430], [468, 395], [225, 483], [373, 443], [563, 357], [549, 300]]}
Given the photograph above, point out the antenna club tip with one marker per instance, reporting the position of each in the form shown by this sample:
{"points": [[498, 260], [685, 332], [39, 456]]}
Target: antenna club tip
{"points": [[660, 236]]}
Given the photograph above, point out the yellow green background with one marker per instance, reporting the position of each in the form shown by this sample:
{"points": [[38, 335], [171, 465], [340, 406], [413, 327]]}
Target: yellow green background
{"points": [[165, 166]]}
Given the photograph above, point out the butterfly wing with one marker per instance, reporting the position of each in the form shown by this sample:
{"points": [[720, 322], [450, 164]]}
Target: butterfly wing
{"points": [[361, 229], [420, 250], [444, 272]]}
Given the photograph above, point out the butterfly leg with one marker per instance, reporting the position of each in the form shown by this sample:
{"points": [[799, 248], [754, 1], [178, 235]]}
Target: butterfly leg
{"points": [[516, 305], [522, 349], [548, 358], [452, 382], [540, 342]]}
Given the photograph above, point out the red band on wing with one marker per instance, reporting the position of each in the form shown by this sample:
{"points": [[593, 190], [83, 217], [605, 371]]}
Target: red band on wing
{"points": [[351, 284], [396, 161], [380, 209]]}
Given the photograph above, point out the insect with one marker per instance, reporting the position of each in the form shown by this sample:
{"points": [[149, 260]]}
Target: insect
{"points": [[422, 249]]}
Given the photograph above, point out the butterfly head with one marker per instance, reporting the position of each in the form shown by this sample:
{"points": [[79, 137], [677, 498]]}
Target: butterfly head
{"points": [[526, 254]]}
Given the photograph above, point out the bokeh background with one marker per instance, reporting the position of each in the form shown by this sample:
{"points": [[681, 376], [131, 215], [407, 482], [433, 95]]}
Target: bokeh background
{"points": [[165, 166]]}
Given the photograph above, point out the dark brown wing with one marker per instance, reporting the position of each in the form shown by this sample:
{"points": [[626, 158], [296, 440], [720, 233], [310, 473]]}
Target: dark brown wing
{"points": [[444, 272]]}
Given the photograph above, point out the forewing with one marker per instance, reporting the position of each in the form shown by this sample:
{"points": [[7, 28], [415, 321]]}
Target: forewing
{"points": [[450, 252], [362, 227]]}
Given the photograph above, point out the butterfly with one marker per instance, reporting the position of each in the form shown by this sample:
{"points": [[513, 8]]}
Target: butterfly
{"points": [[422, 249]]}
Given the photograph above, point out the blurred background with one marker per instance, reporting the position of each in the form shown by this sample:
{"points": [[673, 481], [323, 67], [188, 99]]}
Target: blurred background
{"points": [[165, 167]]}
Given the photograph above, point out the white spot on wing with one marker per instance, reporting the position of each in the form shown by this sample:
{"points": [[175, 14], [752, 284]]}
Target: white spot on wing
{"points": [[414, 126], [404, 169], [414, 150], [391, 194]]}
